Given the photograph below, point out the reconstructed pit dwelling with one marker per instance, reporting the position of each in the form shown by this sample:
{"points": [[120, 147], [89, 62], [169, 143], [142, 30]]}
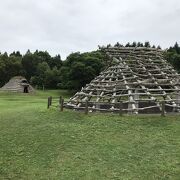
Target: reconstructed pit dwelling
{"points": [[18, 84], [140, 80]]}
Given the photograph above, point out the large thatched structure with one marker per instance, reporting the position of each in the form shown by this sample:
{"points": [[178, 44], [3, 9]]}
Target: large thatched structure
{"points": [[140, 79], [18, 84]]}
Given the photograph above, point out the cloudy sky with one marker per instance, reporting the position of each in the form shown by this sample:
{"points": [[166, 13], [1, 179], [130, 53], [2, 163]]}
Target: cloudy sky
{"points": [[65, 26]]}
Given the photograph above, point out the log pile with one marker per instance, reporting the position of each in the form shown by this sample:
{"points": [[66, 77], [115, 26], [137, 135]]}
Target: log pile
{"points": [[140, 80]]}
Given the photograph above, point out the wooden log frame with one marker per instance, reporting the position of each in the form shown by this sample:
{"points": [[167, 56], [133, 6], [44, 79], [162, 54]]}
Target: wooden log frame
{"points": [[141, 79]]}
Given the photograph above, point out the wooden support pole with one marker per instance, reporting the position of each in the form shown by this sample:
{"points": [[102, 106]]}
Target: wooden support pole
{"points": [[120, 108], [177, 102], [60, 99], [136, 97], [50, 100], [163, 108], [86, 107], [62, 105], [48, 104]]}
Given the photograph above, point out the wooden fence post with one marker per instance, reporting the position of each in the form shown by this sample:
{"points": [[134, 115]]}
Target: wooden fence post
{"points": [[62, 105], [48, 104], [50, 100], [60, 99], [86, 107], [163, 108], [120, 108]]}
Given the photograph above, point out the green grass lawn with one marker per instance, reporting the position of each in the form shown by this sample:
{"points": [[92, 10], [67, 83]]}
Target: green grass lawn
{"points": [[41, 143]]}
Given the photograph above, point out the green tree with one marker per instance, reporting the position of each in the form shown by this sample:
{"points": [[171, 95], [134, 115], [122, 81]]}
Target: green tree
{"points": [[29, 63], [9, 66], [79, 69], [128, 45], [40, 76], [52, 78], [134, 44], [147, 44]]}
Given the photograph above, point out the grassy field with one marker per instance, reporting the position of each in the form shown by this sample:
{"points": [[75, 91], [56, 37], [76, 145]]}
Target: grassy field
{"points": [[41, 143]]}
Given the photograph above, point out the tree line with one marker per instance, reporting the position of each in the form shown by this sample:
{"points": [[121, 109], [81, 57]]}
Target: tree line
{"points": [[173, 56], [45, 71]]}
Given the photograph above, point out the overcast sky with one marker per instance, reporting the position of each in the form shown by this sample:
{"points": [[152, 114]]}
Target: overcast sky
{"points": [[65, 26]]}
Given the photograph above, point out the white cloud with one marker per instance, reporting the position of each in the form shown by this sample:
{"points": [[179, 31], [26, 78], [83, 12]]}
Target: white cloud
{"points": [[65, 26]]}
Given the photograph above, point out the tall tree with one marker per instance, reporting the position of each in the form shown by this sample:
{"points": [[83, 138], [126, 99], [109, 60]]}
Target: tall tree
{"points": [[147, 44]]}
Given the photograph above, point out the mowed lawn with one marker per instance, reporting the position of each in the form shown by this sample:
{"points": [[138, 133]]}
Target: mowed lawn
{"points": [[41, 143]]}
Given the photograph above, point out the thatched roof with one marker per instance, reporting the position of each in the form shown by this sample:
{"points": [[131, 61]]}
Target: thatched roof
{"points": [[18, 84]]}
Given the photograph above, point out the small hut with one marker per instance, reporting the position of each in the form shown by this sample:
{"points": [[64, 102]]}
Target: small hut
{"points": [[18, 84]]}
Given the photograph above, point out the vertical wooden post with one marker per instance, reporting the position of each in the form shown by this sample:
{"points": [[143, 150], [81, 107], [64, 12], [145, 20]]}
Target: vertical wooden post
{"points": [[120, 108], [50, 100], [60, 99], [163, 108], [48, 104], [62, 105], [86, 107]]}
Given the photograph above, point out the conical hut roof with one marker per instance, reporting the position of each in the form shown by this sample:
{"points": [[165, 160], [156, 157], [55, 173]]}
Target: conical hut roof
{"points": [[18, 84], [140, 80]]}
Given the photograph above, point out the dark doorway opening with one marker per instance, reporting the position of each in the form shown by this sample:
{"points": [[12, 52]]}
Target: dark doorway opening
{"points": [[26, 89]]}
